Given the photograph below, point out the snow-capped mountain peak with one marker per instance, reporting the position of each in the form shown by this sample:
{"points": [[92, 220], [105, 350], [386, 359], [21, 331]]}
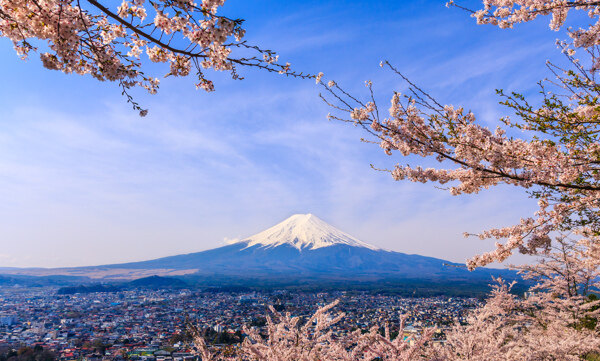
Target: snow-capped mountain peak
{"points": [[304, 231]]}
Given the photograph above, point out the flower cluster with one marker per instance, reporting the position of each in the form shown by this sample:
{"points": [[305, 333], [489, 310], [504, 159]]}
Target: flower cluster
{"points": [[289, 339], [506, 13], [108, 43]]}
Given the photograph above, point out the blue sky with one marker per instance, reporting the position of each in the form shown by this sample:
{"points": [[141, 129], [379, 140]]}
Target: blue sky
{"points": [[84, 180]]}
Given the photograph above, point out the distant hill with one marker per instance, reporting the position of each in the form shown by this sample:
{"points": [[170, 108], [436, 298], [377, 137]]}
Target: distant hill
{"points": [[18, 280], [157, 282], [152, 282], [93, 288]]}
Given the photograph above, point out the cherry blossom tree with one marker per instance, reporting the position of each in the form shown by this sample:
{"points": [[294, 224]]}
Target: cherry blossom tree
{"points": [[556, 321], [555, 156], [290, 339], [490, 333], [110, 42], [552, 150]]}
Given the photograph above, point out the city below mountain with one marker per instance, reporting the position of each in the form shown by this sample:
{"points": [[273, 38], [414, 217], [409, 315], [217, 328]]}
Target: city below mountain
{"points": [[301, 251]]}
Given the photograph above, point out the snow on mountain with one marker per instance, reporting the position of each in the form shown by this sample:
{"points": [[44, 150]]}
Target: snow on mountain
{"points": [[304, 231]]}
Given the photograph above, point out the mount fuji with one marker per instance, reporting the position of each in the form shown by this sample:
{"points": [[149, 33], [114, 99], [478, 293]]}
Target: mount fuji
{"points": [[304, 231], [300, 250]]}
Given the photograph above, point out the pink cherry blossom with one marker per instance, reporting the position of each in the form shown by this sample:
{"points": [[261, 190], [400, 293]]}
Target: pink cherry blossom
{"points": [[107, 41]]}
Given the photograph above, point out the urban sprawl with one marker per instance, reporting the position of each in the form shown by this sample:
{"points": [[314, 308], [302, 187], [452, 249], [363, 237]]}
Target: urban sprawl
{"points": [[150, 325]]}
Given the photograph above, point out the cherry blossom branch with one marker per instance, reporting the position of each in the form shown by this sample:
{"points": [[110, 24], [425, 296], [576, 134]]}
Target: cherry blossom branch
{"points": [[107, 43]]}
